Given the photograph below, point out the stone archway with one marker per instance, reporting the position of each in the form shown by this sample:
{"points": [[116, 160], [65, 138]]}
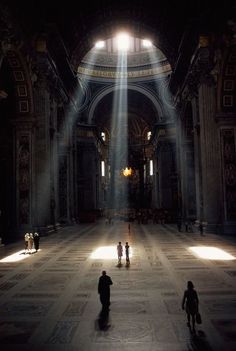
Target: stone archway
{"points": [[134, 87]]}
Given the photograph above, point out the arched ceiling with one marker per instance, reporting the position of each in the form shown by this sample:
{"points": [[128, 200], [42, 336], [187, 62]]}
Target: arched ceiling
{"points": [[107, 63]]}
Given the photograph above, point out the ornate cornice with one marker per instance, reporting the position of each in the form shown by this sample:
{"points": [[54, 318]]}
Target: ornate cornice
{"points": [[200, 71], [140, 73]]}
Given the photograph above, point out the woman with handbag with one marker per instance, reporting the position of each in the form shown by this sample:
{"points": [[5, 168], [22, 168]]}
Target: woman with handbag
{"points": [[190, 304]]}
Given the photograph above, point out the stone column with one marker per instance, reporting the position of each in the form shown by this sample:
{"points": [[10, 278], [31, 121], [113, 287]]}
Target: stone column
{"points": [[187, 164], [73, 178], [53, 161], [42, 155], [63, 164], [181, 203], [24, 173], [73, 168], [87, 170], [210, 157], [179, 167], [197, 160], [165, 167]]}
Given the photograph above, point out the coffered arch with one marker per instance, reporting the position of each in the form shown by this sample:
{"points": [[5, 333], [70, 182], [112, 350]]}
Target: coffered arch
{"points": [[145, 92]]}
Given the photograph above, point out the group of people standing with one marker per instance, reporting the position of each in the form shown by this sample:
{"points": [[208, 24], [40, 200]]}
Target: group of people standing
{"points": [[31, 242], [120, 253]]}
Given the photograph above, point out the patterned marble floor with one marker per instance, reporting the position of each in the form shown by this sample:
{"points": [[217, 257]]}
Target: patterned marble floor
{"points": [[49, 300]]}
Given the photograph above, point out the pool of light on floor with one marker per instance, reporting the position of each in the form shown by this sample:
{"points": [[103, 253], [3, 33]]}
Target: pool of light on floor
{"points": [[211, 253], [107, 253], [17, 256]]}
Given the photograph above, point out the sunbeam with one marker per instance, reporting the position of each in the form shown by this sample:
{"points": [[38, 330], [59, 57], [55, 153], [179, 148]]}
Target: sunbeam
{"points": [[119, 136], [17, 256], [106, 253], [211, 253]]}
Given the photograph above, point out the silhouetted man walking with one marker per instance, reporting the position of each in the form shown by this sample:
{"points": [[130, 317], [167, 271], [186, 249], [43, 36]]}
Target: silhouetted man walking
{"points": [[104, 290]]}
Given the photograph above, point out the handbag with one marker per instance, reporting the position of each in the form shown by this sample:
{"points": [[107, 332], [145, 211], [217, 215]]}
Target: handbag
{"points": [[198, 318]]}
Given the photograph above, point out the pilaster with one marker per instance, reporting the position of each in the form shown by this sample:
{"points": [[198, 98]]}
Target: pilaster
{"points": [[210, 157], [24, 137], [42, 154]]}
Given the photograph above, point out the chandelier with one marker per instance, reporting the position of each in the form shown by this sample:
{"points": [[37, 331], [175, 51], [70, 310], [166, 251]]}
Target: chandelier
{"points": [[127, 172]]}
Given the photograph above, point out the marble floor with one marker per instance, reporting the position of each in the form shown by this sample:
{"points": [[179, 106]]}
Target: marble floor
{"points": [[49, 299]]}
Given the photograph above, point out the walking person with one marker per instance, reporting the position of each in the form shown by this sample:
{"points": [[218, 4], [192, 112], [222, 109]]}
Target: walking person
{"points": [[119, 252], [36, 241], [127, 253], [190, 303], [104, 291]]}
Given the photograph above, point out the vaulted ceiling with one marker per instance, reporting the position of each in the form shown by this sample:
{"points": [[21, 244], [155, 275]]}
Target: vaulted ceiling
{"points": [[80, 24]]}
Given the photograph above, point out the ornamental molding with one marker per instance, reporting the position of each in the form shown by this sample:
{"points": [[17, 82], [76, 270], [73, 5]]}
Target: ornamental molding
{"points": [[126, 74]]}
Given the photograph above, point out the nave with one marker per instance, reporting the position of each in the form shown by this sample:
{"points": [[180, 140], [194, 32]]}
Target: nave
{"points": [[49, 299]]}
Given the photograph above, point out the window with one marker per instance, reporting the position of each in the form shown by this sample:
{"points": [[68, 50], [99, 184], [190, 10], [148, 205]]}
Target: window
{"points": [[151, 167], [149, 134], [100, 44], [147, 43], [103, 135], [103, 168]]}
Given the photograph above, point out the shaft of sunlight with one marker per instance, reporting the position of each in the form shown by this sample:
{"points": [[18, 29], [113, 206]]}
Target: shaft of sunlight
{"points": [[119, 136], [211, 253]]}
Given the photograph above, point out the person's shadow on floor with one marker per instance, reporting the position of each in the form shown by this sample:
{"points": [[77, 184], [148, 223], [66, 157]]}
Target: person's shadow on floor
{"points": [[199, 342], [103, 321], [127, 265]]}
